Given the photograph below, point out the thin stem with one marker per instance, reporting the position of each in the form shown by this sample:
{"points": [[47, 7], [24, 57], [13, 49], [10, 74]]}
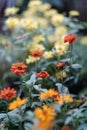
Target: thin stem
{"points": [[70, 64]]}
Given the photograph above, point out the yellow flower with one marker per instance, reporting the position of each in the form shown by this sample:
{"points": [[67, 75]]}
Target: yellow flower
{"points": [[60, 75], [38, 38], [12, 22], [28, 24], [48, 54], [11, 11], [17, 103], [60, 47], [64, 98], [34, 3], [31, 59], [67, 98], [57, 19], [61, 30], [84, 40], [59, 100], [43, 23], [74, 13], [51, 93], [44, 7], [35, 46], [50, 13], [52, 38], [46, 115]]}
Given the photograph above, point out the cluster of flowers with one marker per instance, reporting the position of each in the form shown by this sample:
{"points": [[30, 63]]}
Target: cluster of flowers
{"points": [[43, 40], [46, 114]]}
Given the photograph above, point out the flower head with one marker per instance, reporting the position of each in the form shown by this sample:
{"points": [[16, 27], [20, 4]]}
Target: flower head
{"points": [[45, 116], [51, 93], [17, 103], [74, 13], [36, 53], [18, 68], [71, 38], [64, 98], [42, 74], [60, 65], [7, 93]]}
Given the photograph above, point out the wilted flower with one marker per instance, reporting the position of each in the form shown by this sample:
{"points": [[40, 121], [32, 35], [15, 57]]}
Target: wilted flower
{"points": [[17, 103], [18, 68], [7, 93], [42, 74]]}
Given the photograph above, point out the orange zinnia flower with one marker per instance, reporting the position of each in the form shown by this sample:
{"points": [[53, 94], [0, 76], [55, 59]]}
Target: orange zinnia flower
{"points": [[66, 128], [17, 103], [45, 116], [64, 98], [18, 68], [7, 93], [36, 53], [60, 65], [71, 38], [51, 93], [42, 74]]}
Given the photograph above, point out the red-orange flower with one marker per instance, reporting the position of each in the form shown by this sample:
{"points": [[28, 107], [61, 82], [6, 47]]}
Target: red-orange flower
{"points": [[36, 53], [42, 74], [18, 68], [60, 65], [66, 127], [8, 93], [71, 38]]}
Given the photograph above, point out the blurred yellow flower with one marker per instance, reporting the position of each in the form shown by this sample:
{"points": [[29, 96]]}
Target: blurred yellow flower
{"points": [[48, 54], [34, 3], [61, 30], [12, 22], [74, 13], [31, 59], [50, 13], [57, 19], [60, 47], [84, 40], [38, 38], [28, 24], [44, 7], [60, 75], [11, 11], [35, 46], [17, 103]]}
